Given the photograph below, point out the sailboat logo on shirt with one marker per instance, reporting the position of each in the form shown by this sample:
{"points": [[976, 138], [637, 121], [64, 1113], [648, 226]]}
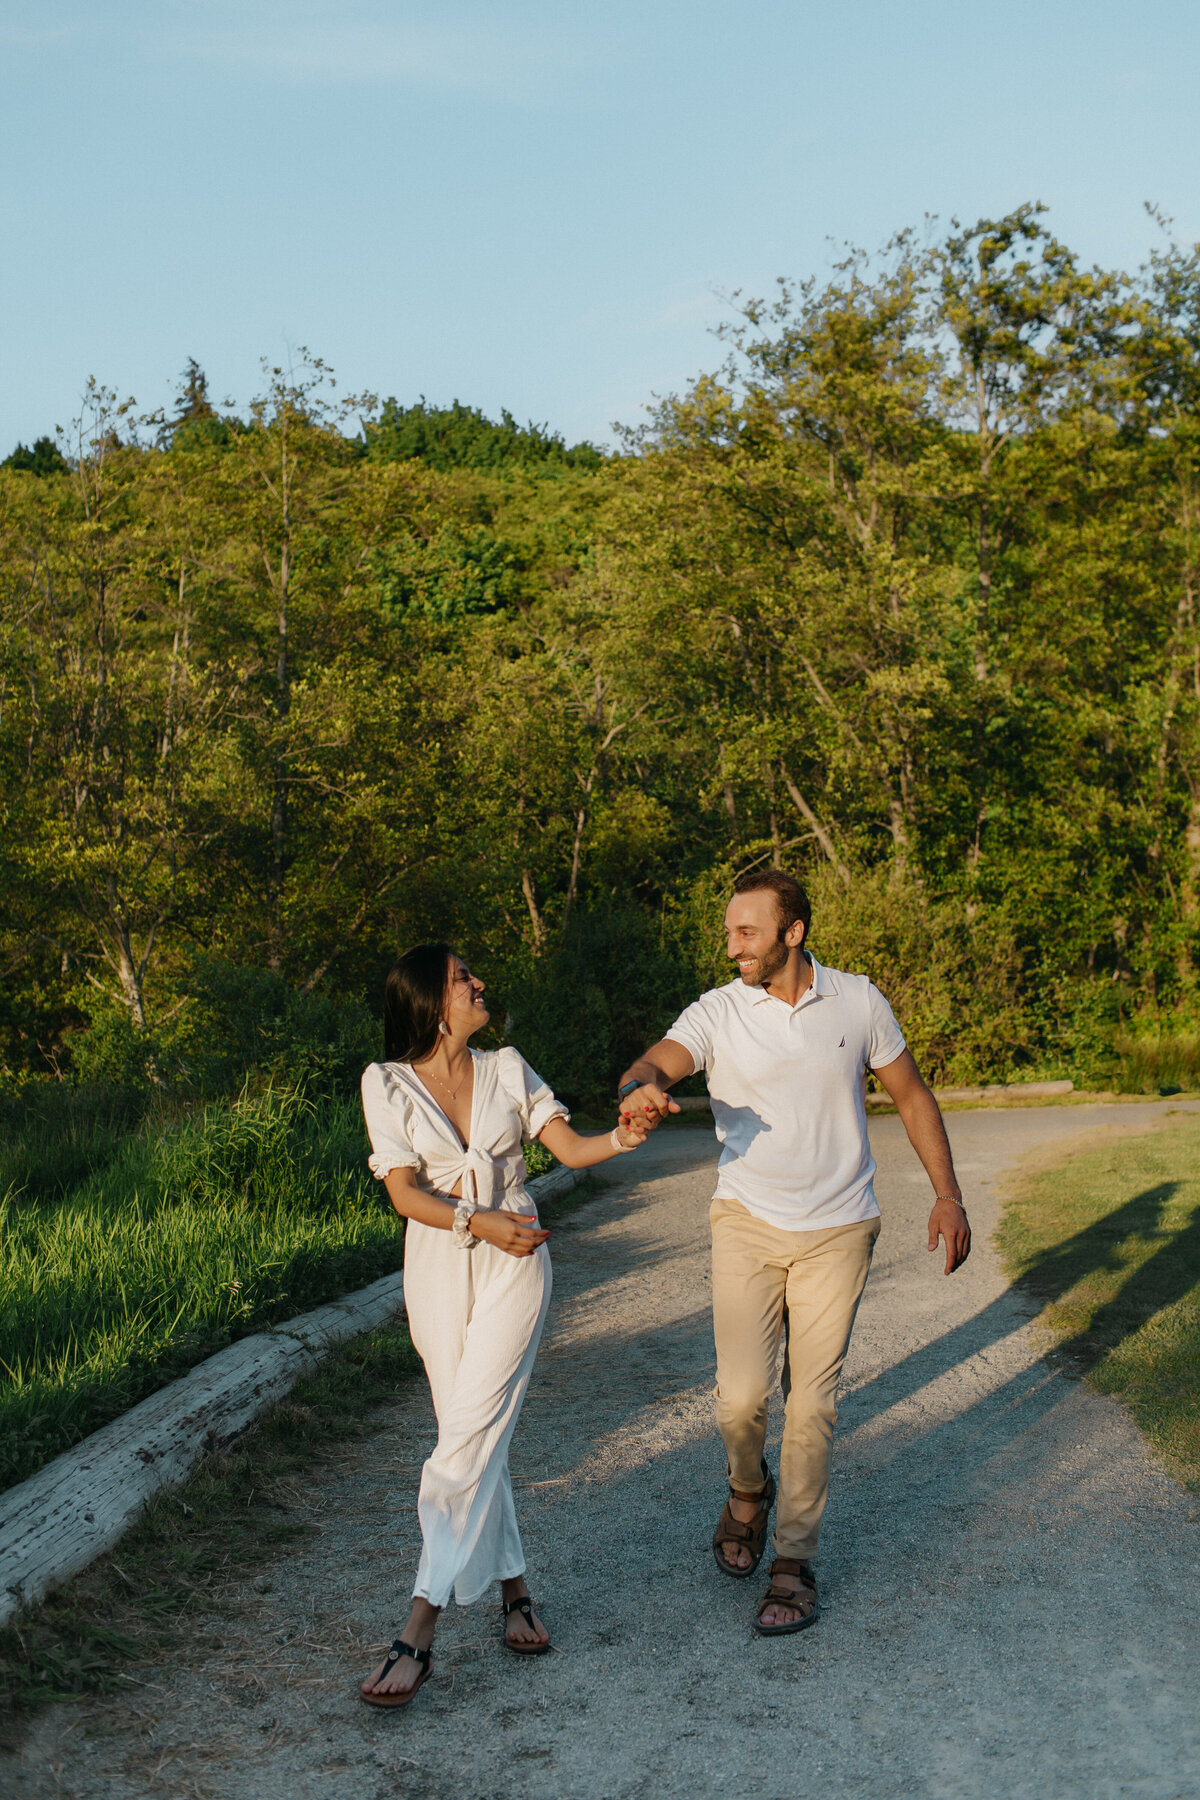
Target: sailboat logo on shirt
{"points": [[842, 1045]]}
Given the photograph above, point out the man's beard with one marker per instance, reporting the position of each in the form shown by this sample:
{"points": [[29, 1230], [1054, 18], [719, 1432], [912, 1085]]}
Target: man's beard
{"points": [[765, 967]]}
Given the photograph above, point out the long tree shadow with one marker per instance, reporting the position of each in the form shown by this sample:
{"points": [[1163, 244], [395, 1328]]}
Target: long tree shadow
{"points": [[991, 1445], [1160, 1281]]}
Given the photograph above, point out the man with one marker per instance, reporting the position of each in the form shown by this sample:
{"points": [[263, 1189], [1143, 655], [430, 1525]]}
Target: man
{"points": [[784, 1048]]}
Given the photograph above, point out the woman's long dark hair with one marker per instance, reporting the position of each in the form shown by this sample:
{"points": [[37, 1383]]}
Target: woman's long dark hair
{"points": [[413, 996]]}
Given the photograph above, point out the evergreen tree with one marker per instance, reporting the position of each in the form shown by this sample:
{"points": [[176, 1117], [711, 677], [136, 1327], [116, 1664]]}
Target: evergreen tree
{"points": [[44, 459]]}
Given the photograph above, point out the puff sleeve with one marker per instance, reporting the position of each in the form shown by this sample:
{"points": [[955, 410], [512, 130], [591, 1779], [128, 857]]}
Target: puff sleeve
{"points": [[533, 1099], [388, 1114]]}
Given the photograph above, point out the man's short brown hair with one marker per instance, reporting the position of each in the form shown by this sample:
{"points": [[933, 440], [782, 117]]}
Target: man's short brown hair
{"points": [[791, 899]]}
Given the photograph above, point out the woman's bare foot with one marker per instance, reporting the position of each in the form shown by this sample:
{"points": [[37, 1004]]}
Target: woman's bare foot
{"points": [[406, 1672], [517, 1628]]}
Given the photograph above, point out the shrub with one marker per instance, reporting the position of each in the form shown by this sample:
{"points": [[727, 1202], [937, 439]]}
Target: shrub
{"points": [[606, 989]]}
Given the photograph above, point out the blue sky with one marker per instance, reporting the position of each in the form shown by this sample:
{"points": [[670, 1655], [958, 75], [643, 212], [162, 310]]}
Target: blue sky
{"points": [[530, 204]]}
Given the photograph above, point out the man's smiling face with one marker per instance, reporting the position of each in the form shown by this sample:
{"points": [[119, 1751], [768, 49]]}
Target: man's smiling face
{"points": [[754, 939]]}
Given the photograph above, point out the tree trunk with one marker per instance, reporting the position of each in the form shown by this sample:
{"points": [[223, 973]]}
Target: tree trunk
{"points": [[283, 699], [576, 859], [899, 837], [1189, 891], [127, 970], [535, 912], [818, 830], [183, 629]]}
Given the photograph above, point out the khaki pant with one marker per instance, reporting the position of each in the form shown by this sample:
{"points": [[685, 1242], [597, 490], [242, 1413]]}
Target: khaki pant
{"points": [[769, 1286]]}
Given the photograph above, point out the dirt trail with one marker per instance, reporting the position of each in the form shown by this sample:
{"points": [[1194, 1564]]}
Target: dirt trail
{"points": [[1009, 1580]]}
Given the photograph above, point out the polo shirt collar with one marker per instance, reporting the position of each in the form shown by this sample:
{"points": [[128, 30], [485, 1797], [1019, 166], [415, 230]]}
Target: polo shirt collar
{"points": [[822, 983]]}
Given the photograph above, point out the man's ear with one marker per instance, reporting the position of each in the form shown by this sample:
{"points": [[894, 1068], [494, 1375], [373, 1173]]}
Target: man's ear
{"points": [[794, 935]]}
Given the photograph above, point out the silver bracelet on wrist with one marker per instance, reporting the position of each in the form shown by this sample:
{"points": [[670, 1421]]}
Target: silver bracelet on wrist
{"points": [[616, 1143], [464, 1212]]}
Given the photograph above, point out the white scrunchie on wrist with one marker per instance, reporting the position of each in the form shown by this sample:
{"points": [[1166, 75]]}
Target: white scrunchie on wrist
{"points": [[464, 1212], [616, 1143]]}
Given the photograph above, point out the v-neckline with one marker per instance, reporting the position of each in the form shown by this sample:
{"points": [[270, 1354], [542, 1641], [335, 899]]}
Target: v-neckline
{"points": [[463, 1145]]}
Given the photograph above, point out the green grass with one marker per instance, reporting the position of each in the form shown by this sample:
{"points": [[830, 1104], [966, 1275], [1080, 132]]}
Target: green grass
{"points": [[127, 1256], [176, 1244], [1108, 1244], [1166, 1062]]}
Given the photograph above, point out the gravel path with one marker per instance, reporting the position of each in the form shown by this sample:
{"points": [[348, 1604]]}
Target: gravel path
{"points": [[1009, 1579]]}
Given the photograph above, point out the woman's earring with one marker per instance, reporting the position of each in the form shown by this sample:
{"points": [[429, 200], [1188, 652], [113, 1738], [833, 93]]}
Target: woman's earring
{"points": [[443, 1028]]}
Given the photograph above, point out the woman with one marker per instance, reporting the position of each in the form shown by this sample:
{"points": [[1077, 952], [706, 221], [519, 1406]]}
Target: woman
{"points": [[446, 1125]]}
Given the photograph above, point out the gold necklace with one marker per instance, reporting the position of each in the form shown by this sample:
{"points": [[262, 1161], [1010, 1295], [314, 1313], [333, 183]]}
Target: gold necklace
{"points": [[445, 1085]]}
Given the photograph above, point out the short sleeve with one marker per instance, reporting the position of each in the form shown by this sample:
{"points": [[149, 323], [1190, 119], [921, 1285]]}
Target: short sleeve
{"points": [[387, 1113], [693, 1029], [885, 1040], [534, 1100]]}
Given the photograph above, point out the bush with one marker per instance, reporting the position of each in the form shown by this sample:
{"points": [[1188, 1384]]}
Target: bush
{"points": [[581, 1012], [231, 1021]]}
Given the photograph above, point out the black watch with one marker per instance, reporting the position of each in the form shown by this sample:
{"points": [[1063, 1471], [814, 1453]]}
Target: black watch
{"points": [[627, 1089]]}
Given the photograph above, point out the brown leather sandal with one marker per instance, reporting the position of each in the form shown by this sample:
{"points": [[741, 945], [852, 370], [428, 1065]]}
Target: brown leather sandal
{"points": [[748, 1536], [524, 1606], [781, 1596]]}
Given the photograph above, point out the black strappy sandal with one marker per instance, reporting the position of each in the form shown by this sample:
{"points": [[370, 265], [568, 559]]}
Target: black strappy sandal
{"points": [[423, 1659], [748, 1536], [524, 1606]]}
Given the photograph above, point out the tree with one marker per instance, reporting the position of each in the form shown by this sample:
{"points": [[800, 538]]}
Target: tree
{"points": [[44, 459]]}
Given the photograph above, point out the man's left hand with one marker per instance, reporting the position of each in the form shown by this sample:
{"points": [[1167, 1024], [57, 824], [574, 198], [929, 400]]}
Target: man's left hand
{"points": [[949, 1221]]}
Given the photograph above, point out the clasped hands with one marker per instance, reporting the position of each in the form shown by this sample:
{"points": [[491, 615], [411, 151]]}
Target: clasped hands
{"points": [[645, 1108]]}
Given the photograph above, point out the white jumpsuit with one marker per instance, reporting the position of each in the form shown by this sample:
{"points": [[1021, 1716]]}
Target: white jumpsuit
{"points": [[475, 1315]]}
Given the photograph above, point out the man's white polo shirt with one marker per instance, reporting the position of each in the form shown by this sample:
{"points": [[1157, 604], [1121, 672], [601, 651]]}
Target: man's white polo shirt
{"points": [[788, 1090]]}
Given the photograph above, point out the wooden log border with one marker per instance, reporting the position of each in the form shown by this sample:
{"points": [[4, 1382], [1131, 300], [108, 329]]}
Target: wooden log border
{"points": [[80, 1505]]}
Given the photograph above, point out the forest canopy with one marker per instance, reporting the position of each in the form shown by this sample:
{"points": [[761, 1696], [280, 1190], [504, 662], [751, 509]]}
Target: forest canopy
{"points": [[902, 597]]}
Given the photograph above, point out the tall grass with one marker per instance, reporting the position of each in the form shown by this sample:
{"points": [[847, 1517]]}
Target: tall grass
{"points": [[172, 1243], [1162, 1062]]}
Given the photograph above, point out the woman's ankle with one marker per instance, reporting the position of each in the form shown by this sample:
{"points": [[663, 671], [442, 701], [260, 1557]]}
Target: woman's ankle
{"points": [[421, 1625]]}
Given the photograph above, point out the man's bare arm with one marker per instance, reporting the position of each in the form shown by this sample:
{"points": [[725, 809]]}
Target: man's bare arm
{"points": [[927, 1134], [656, 1070]]}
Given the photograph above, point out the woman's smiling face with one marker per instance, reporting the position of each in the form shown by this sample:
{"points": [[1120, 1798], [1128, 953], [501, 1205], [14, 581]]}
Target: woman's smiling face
{"points": [[464, 1011]]}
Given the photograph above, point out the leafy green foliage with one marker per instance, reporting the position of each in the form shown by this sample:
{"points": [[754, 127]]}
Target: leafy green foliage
{"points": [[45, 458], [460, 437], [608, 986], [904, 598]]}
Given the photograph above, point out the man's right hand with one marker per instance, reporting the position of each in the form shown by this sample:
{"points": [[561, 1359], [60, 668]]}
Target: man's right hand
{"points": [[647, 1106]]}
